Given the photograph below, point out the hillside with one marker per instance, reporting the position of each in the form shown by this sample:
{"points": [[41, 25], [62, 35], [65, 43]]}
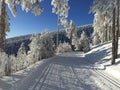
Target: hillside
{"points": [[14, 43], [100, 56]]}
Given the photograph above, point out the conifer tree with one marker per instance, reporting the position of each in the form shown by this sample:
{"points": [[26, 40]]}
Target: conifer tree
{"points": [[84, 42]]}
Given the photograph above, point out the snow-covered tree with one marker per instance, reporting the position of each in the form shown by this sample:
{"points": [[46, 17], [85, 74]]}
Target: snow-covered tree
{"points": [[21, 50], [4, 68], [21, 57], [98, 25], [82, 43], [26, 5], [95, 38], [103, 18], [110, 7], [34, 48], [20, 61], [61, 8], [85, 42], [75, 42], [103, 5], [47, 45], [41, 47], [70, 30], [63, 47], [14, 63], [102, 25]]}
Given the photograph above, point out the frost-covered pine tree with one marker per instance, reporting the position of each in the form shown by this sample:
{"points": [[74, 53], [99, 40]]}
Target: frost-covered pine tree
{"points": [[84, 42], [75, 42], [21, 57], [103, 18], [99, 26], [47, 45], [95, 38], [4, 64], [110, 7], [26, 5], [14, 63], [37, 49], [61, 8], [41, 47], [34, 48]]}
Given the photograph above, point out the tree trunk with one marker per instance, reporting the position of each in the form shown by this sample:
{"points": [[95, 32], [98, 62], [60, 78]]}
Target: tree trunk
{"points": [[2, 25], [117, 30], [58, 25], [106, 39], [108, 35], [113, 38], [106, 30], [110, 32]]}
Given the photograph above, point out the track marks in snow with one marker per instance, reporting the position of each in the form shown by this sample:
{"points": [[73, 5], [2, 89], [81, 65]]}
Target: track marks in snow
{"points": [[105, 80], [66, 74]]}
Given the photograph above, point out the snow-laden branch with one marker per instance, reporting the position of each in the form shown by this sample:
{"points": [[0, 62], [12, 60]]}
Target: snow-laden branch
{"points": [[60, 7], [26, 5]]}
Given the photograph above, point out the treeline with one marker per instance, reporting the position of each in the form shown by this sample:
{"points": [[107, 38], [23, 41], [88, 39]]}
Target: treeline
{"points": [[13, 44]]}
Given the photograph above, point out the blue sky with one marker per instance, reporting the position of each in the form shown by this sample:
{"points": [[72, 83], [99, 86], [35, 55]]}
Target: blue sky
{"points": [[27, 23]]}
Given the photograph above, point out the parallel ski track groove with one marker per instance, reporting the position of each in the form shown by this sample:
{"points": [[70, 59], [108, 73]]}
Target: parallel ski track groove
{"points": [[112, 81], [42, 75]]}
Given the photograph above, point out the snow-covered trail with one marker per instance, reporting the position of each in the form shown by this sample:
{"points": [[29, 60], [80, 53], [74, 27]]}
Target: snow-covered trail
{"points": [[65, 73]]}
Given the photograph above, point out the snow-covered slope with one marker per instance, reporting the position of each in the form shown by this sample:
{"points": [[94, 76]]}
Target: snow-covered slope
{"points": [[100, 56]]}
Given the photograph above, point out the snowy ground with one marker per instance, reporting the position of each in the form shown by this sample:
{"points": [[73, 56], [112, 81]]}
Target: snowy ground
{"points": [[58, 73], [100, 56], [91, 71]]}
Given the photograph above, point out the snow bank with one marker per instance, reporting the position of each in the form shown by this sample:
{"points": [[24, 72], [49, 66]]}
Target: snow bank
{"points": [[100, 56]]}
